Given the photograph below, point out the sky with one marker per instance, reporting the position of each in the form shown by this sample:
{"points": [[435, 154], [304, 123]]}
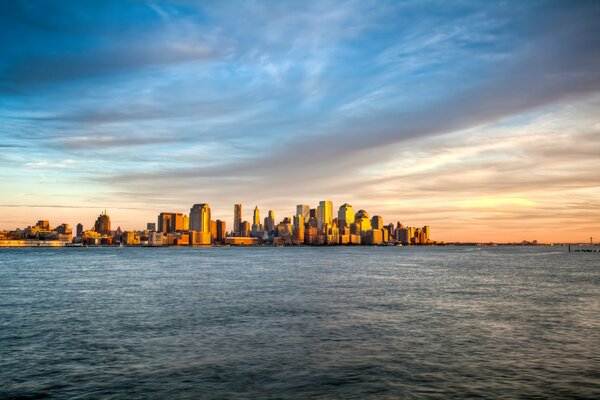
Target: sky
{"points": [[480, 119]]}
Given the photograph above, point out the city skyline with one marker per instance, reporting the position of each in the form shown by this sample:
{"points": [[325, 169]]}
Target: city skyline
{"points": [[479, 119]]}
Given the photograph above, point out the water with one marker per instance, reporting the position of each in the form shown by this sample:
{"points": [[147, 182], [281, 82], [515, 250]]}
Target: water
{"points": [[353, 322]]}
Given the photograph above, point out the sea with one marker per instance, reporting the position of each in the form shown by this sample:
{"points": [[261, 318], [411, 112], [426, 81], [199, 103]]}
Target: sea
{"points": [[299, 323]]}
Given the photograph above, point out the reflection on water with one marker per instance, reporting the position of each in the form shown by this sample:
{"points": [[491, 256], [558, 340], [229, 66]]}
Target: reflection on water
{"points": [[299, 322]]}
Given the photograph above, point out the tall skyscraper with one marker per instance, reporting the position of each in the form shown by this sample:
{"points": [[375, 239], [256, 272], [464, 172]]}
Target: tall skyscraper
{"points": [[237, 218], [363, 221], [270, 221], [102, 224], [377, 222], [221, 231], [213, 230], [324, 213], [256, 225], [303, 210], [200, 217], [345, 215], [79, 230], [298, 229]]}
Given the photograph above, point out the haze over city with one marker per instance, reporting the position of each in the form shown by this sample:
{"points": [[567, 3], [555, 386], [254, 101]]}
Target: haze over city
{"points": [[479, 119]]}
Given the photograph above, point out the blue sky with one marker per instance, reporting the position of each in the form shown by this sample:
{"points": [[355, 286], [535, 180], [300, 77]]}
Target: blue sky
{"points": [[141, 107]]}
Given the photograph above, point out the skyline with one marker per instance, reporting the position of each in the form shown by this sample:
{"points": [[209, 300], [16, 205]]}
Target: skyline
{"points": [[478, 119]]}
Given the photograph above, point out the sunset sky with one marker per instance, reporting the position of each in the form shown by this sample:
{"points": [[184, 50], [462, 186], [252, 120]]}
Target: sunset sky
{"points": [[481, 119]]}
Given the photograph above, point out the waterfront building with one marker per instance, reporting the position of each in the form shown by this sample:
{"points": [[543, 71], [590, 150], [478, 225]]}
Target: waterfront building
{"points": [[79, 230], [169, 222], [244, 229], [324, 213], [200, 217], [237, 218], [151, 226], [374, 237], [199, 238], [221, 231], [155, 238], [186, 223], [102, 224], [402, 235], [213, 230], [345, 215], [242, 241], [427, 231]]}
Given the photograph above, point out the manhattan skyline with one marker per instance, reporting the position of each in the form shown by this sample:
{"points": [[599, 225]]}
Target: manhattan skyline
{"points": [[478, 119]]}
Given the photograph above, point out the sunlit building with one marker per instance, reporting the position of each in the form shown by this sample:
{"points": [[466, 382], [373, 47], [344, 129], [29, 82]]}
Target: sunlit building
{"points": [[345, 215], [169, 222], [377, 222], [244, 229], [361, 218], [298, 236], [270, 221], [200, 217], [256, 225], [237, 218], [303, 210], [102, 224], [324, 213], [43, 225], [213, 230]]}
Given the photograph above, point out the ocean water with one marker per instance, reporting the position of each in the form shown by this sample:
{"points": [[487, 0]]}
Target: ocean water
{"points": [[310, 322]]}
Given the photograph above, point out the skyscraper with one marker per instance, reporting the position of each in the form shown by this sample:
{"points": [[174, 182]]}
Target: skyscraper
{"points": [[79, 230], [221, 229], [345, 215], [270, 221], [102, 224], [256, 225], [377, 222], [237, 218], [303, 210], [324, 213], [200, 217]]}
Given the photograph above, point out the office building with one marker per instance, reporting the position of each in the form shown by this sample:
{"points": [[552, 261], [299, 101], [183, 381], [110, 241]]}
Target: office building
{"points": [[345, 215], [303, 210], [324, 213], [200, 218], [377, 222], [237, 218], [256, 225], [102, 224], [221, 231], [244, 229]]}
